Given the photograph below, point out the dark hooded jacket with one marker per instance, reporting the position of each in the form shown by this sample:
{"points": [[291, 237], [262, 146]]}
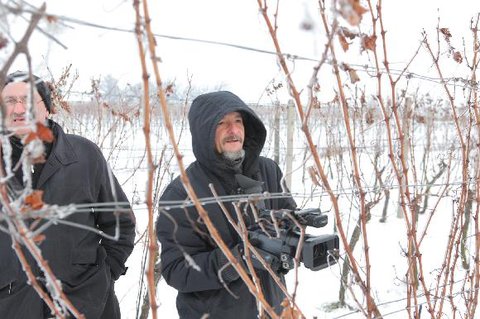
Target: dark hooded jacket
{"points": [[85, 263], [201, 291]]}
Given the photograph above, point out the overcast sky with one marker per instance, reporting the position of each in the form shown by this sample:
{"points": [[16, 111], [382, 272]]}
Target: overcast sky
{"points": [[96, 52]]}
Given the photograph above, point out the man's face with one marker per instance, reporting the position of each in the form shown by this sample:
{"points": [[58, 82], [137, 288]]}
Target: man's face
{"points": [[15, 96], [230, 133]]}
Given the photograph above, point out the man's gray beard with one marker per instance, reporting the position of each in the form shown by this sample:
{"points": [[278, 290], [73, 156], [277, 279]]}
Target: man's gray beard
{"points": [[234, 156], [234, 160]]}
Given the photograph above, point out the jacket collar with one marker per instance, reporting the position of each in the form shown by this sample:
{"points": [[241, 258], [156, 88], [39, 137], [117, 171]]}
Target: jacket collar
{"points": [[62, 154]]}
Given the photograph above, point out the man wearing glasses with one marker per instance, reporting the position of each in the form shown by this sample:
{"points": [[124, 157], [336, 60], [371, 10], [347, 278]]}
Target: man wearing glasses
{"points": [[85, 250]]}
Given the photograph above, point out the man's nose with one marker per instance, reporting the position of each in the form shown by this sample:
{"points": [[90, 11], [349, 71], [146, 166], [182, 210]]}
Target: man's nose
{"points": [[19, 107], [232, 129]]}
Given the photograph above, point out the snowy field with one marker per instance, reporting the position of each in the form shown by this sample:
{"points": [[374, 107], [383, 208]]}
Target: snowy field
{"points": [[316, 291]]}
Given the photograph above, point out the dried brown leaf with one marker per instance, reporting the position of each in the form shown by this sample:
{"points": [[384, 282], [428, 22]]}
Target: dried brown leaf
{"points": [[352, 11], [457, 56], [354, 78], [288, 311], [30, 137], [343, 42], [44, 133], [348, 33], [363, 100], [34, 199], [51, 18], [336, 99], [316, 103], [357, 7], [3, 41], [352, 73], [420, 119], [369, 117], [446, 33], [369, 42], [169, 89]]}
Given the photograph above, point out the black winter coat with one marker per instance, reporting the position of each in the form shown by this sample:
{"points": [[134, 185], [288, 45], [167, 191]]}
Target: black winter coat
{"points": [[84, 262], [201, 292]]}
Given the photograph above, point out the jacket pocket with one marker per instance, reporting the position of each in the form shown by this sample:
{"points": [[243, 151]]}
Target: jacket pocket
{"points": [[196, 304], [84, 256], [84, 264], [219, 303]]}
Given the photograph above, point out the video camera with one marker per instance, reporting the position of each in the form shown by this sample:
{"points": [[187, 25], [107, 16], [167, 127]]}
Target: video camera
{"points": [[277, 237]]}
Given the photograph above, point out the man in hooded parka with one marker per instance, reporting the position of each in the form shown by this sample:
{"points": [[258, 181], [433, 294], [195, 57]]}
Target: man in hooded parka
{"points": [[227, 139]]}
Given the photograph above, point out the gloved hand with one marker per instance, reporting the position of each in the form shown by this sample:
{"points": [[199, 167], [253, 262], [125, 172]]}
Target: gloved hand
{"points": [[229, 274], [270, 259]]}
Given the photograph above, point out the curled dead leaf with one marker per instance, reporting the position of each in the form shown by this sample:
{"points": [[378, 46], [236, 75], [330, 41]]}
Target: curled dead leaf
{"points": [[169, 89], [352, 73], [446, 33], [348, 33], [369, 42], [34, 199], [51, 18], [457, 56], [354, 78], [370, 117], [420, 119], [3, 41], [316, 103], [363, 100], [336, 99], [352, 11], [29, 138], [44, 133], [343, 42], [357, 7], [289, 312]]}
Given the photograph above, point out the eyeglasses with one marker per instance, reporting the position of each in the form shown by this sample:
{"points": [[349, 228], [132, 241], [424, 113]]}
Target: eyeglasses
{"points": [[13, 100]]}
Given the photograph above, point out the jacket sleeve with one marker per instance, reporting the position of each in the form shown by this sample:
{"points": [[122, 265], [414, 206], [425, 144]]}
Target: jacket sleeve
{"points": [[111, 192], [190, 262]]}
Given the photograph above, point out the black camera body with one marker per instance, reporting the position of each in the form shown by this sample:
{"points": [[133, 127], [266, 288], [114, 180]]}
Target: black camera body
{"points": [[280, 243]]}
